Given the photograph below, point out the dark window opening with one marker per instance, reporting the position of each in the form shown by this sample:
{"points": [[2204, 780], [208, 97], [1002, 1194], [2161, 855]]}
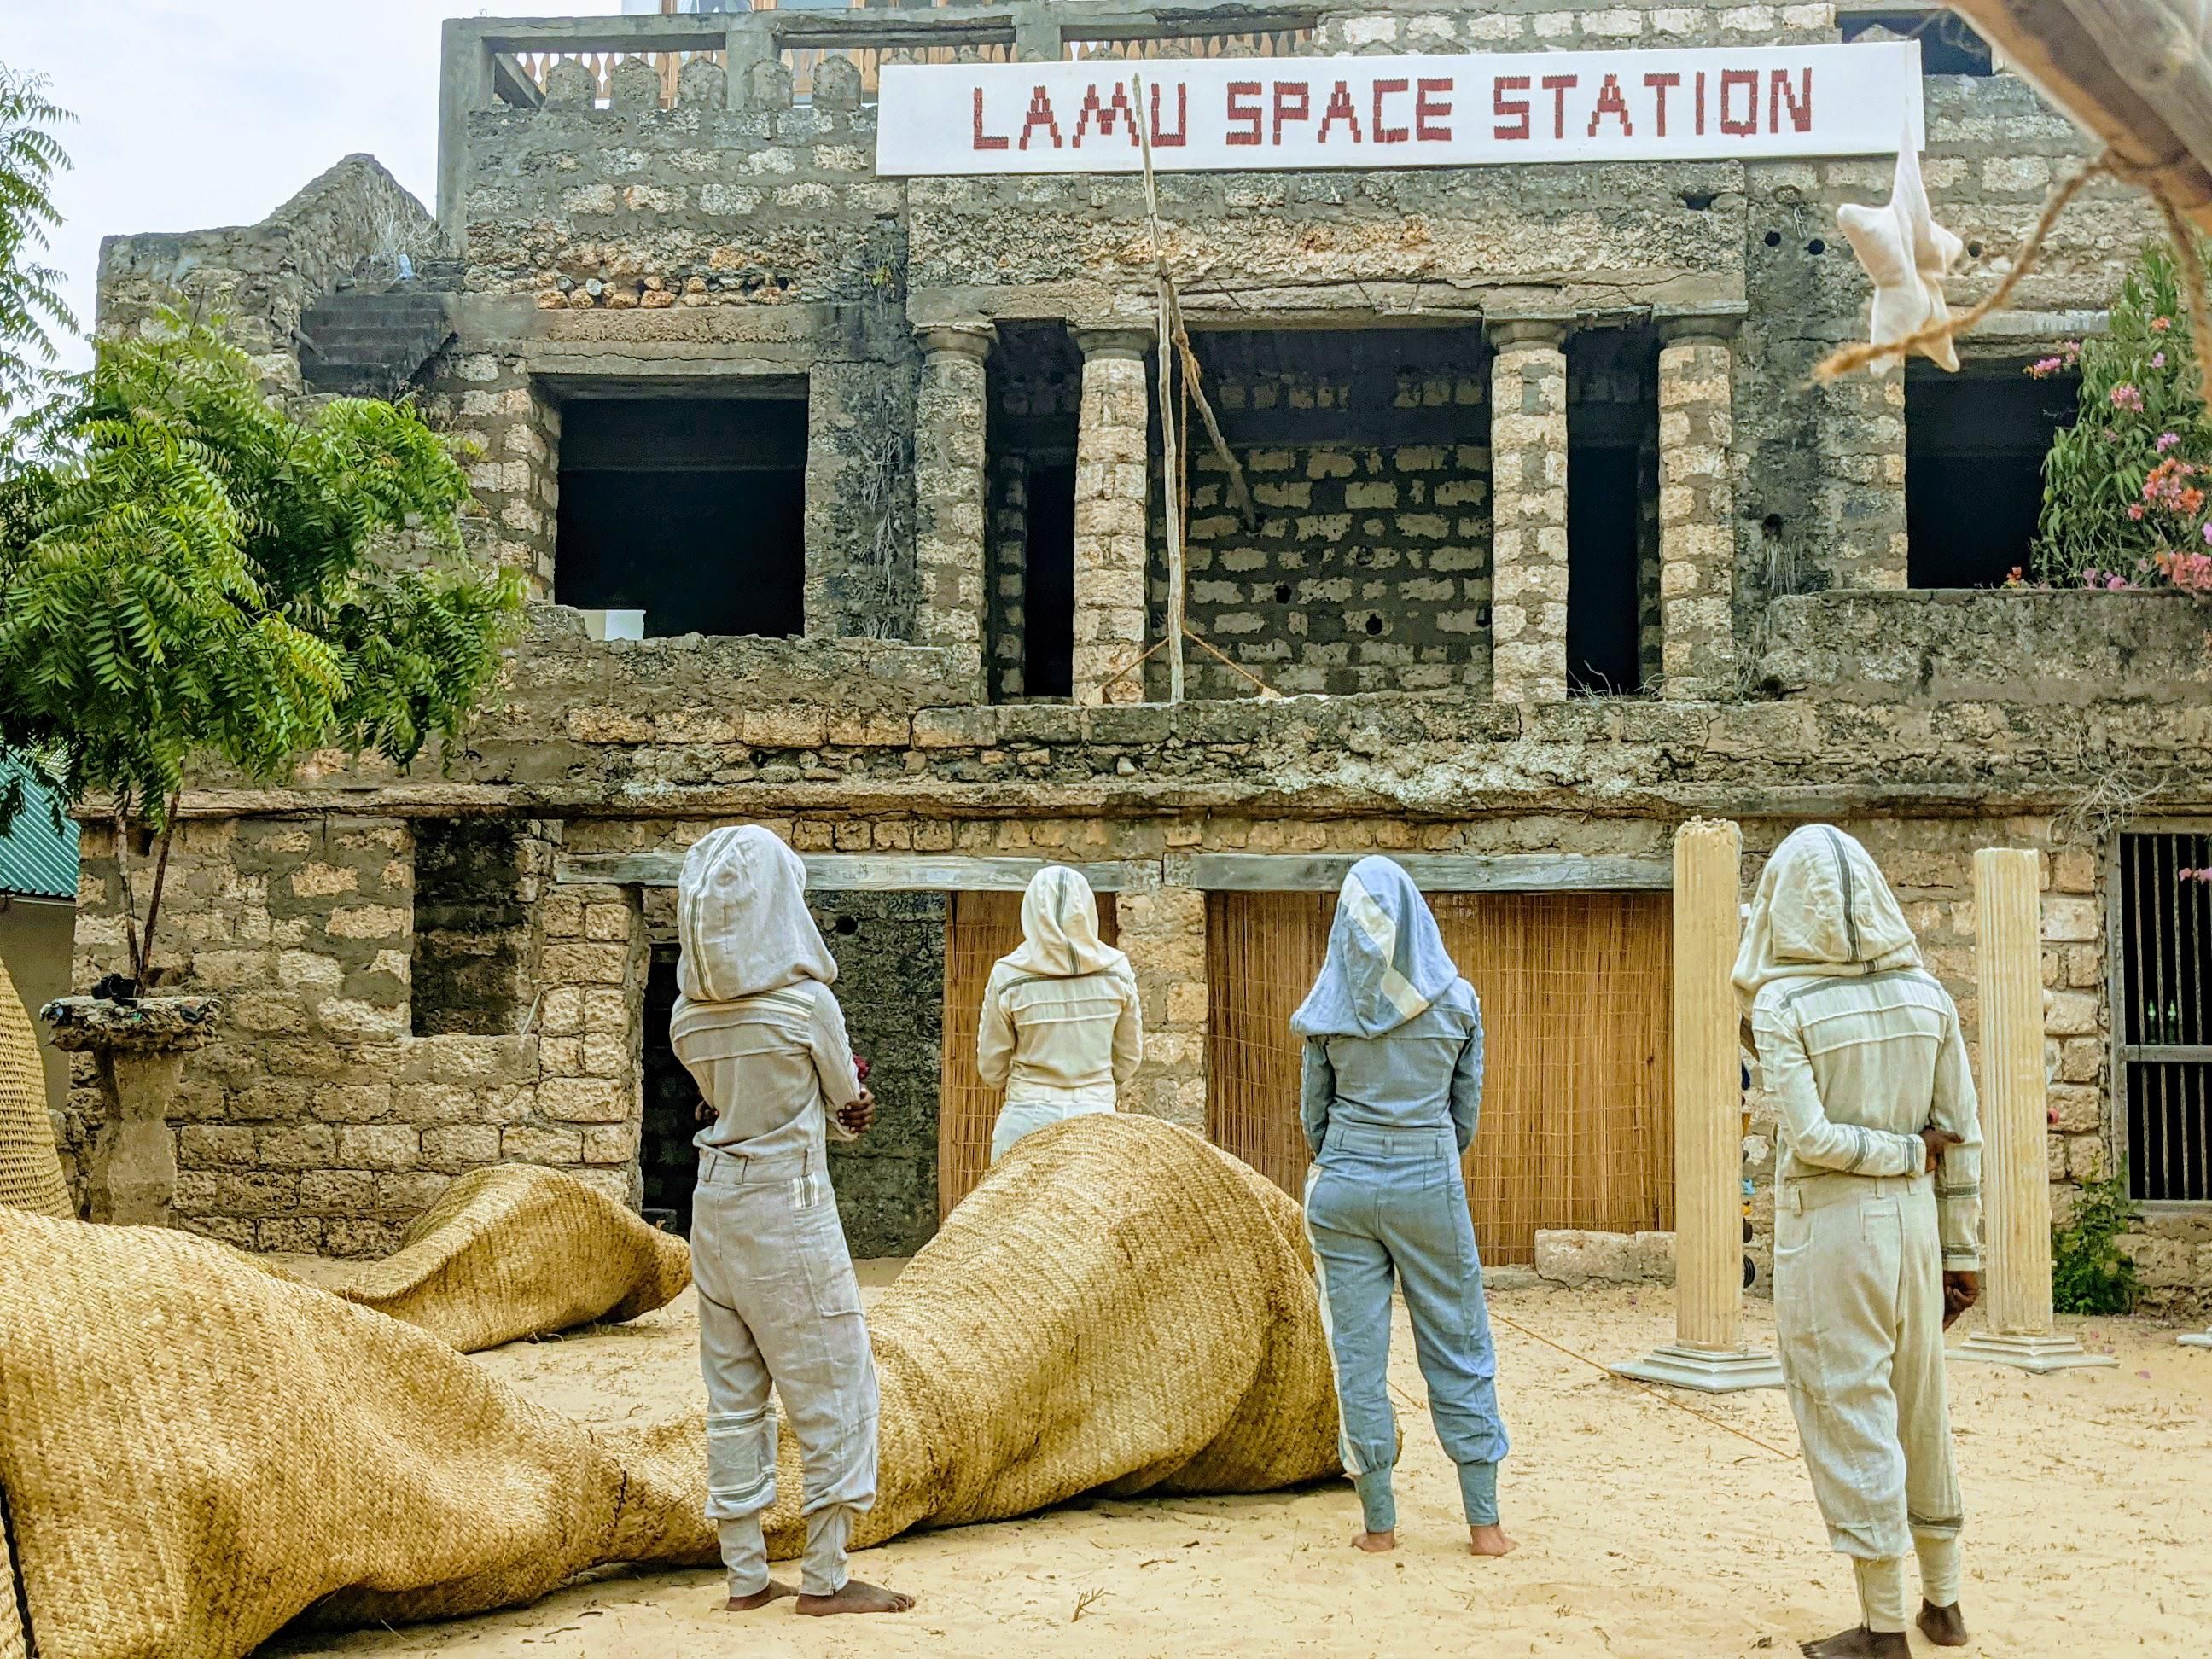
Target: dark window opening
{"points": [[691, 510], [1048, 584], [1974, 448], [473, 930], [1612, 438], [1948, 44], [1035, 376], [889, 949], [2166, 1019], [667, 1158]]}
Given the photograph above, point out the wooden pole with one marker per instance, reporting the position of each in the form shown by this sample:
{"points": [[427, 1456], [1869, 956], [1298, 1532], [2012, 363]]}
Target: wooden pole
{"points": [[1708, 1352], [2016, 1181], [1171, 479]]}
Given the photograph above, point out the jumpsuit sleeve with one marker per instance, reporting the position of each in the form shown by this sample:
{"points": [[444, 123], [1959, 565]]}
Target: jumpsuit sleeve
{"points": [[833, 1062], [1846, 1148], [1316, 1092], [1128, 1035], [994, 1037], [1466, 1085], [1958, 1175]]}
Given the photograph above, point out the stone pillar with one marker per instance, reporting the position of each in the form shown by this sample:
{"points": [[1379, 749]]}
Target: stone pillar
{"points": [[949, 492], [1708, 1352], [2016, 1183], [1111, 482], [1697, 513], [1528, 511], [1163, 932]]}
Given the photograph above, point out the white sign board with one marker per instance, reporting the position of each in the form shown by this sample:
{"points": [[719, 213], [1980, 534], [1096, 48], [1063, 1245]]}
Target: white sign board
{"points": [[1261, 113]]}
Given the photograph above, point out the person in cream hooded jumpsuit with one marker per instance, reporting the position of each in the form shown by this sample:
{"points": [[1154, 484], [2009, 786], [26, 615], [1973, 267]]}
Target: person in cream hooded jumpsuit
{"points": [[1059, 1029], [759, 1028], [1877, 1218]]}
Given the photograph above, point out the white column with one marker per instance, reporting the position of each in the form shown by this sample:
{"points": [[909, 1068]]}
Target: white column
{"points": [[1707, 1353], [951, 494], [2015, 1178]]}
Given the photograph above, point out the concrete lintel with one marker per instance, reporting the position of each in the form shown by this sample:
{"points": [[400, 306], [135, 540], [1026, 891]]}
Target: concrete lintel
{"points": [[868, 871], [1435, 872], [1719, 322]]}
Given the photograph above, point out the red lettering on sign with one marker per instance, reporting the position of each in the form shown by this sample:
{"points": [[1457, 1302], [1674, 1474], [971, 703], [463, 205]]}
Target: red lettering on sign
{"points": [[1801, 117], [1739, 126], [1659, 84], [1556, 85], [1515, 110], [984, 140], [1339, 108], [1244, 112], [1431, 111], [1113, 109], [1385, 134], [1162, 139], [1610, 102], [1701, 103], [1040, 115], [1292, 103]]}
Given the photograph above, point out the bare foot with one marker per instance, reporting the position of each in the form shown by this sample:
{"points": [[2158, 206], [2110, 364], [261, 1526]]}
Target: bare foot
{"points": [[855, 1597], [1859, 1643], [771, 1591], [1489, 1540], [1376, 1543], [1945, 1626]]}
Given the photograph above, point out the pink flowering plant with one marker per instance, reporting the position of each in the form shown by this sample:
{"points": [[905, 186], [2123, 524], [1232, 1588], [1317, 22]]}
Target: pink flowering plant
{"points": [[2127, 489]]}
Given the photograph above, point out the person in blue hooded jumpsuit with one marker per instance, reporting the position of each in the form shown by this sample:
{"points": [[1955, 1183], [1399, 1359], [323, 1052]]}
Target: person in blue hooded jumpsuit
{"points": [[1393, 1079]]}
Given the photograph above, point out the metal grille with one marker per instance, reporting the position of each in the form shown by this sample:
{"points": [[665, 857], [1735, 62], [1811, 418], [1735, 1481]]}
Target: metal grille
{"points": [[2165, 1017]]}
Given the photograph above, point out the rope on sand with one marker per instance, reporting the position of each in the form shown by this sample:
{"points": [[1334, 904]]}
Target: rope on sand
{"points": [[1666, 1399]]}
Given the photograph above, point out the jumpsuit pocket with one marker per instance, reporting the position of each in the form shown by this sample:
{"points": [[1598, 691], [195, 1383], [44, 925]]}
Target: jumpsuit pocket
{"points": [[740, 1462], [831, 1288]]}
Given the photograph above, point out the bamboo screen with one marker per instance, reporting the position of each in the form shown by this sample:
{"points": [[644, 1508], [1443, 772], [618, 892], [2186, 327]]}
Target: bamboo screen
{"points": [[981, 927], [1578, 1124]]}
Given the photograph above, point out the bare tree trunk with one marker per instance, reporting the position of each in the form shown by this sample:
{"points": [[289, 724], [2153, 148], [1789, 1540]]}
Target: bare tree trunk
{"points": [[123, 875], [161, 876]]}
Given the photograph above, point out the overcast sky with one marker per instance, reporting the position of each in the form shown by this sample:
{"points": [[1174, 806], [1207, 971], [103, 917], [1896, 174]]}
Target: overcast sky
{"points": [[199, 112]]}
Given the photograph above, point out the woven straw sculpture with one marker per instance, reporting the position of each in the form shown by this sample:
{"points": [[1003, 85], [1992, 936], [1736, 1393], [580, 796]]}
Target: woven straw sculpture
{"points": [[515, 1250], [195, 1453], [30, 1174]]}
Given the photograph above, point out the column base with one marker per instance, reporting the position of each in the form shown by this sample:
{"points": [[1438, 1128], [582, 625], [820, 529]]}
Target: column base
{"points": [[2037, 1354], [2196, 1340], [1708, 1370]]}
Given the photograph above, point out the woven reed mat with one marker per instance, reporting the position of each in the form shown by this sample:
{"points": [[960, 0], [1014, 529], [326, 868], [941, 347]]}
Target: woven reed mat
{"points": [[196, 1452], [1118, 1308], [30, 1174], [515, 1250]]}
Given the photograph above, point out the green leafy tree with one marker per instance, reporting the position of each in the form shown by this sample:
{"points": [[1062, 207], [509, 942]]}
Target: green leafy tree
{"points": [[30, 292], [200, 581], [2124, 496]]}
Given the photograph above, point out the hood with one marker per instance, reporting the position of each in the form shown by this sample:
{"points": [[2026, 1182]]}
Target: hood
{"points": [[1823, 910], [742, 920], [1060, 928], [1386, 963]]}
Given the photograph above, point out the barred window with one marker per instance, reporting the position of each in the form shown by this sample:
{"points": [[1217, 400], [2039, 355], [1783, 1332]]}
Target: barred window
{"points": [[2164, 1015]]}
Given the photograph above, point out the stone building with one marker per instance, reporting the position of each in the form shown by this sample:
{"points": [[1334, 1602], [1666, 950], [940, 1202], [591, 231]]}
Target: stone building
{"points": [[1553, 544]]}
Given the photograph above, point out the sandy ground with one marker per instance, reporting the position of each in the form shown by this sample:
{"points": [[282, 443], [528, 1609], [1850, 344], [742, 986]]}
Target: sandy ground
{"points": [[1645, 1533]]}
